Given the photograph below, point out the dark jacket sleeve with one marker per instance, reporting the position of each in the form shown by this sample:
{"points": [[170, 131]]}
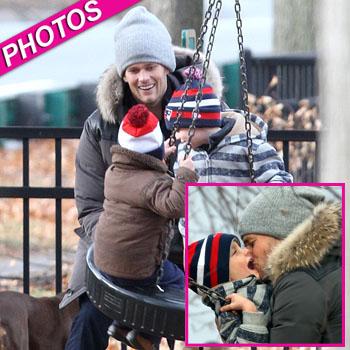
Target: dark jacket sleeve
{"points": [[299, 310], [166, 197], [89, 180]]}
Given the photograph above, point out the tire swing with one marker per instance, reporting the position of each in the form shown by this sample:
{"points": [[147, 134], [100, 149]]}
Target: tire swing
{"points": [[149, 310], [152, 310]]}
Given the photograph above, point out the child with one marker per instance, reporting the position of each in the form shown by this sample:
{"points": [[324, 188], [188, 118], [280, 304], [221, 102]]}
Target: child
{"points": [[219, 145], [222, 263], [132, 236]]}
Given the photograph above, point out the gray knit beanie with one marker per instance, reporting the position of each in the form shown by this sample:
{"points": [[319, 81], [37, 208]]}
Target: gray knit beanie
{"points": [[276, 211], [141, 37]]}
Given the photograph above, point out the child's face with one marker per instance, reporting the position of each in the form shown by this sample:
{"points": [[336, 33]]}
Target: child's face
{"points": [[241, 265]]}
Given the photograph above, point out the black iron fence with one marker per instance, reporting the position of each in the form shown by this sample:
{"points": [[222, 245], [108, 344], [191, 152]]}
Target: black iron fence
{"points": [[296, 73], [26, 192], [287, 136]]}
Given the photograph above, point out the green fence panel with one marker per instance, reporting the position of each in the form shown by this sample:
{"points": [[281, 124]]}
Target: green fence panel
{"points": [[60, 107], [232, 91], [7, 112]]}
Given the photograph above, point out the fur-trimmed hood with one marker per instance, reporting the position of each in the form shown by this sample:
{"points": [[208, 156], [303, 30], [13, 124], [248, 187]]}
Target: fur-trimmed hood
{"points": [[309, 243], [110, 89]]}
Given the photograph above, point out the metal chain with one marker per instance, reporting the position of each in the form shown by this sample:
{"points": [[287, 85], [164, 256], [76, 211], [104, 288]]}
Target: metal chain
{"points": [[205, 290], [199, 95], [191, 73], [244, 83]]}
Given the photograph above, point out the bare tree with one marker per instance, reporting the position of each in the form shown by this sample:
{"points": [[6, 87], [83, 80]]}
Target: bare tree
{"points": [[294, 25], [217, 208], [33, 9], [177, 15]]}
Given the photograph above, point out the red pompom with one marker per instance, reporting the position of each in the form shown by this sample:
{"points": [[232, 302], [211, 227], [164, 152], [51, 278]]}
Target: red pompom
{"points": [[138, 115]]}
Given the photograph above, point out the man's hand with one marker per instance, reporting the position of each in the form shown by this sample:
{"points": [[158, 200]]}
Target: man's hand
{"points": [[238, 303]]}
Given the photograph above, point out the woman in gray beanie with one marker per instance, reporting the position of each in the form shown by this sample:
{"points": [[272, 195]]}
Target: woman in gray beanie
{"points": [[147, 70], [294, 237]]}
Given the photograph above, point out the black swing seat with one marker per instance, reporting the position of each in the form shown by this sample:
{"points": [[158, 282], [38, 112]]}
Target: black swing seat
{"points": [[149, 310]]}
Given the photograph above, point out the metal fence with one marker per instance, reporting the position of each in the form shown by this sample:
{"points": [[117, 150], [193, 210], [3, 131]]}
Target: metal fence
{"points": [[26, 192], [296, 73]]}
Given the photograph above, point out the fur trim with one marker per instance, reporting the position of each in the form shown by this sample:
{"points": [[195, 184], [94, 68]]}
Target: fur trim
{"points": [[110, 91], [309, 242], [121, 155]]}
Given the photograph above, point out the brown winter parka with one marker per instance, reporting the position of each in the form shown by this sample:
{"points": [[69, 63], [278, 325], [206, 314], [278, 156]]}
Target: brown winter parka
{"points": [[133, 233]]}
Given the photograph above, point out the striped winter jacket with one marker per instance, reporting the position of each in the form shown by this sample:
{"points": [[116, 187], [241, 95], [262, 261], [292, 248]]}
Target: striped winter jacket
{"points": [[225, 158], [243, 327]]}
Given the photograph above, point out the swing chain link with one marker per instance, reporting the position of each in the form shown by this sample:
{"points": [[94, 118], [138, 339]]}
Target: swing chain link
{"points": [[199, 96], [244, 83], [207, 291], [192, 70]]}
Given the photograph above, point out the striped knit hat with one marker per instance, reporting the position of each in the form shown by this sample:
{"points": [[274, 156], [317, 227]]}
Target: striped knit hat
{"points": [[209, 107], [140, 132], [209, 258]]}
